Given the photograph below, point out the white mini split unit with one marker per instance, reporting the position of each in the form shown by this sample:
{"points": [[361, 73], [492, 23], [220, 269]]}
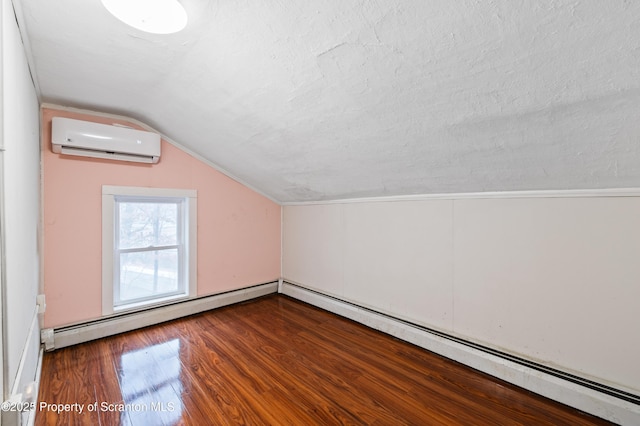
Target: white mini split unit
{"points": [[87, 139]]}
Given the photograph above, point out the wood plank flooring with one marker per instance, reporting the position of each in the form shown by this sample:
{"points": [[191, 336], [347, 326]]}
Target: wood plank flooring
{"points": [[276, 361]]}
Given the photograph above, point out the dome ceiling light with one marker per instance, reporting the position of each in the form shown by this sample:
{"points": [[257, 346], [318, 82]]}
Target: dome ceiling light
{"points": [[152, 16]]}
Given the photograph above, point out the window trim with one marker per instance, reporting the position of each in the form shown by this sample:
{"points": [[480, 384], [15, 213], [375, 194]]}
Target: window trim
{"points": [[109, 195]]}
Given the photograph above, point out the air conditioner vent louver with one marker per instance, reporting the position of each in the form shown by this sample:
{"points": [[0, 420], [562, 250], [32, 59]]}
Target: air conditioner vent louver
{"points": [[88, 139]]}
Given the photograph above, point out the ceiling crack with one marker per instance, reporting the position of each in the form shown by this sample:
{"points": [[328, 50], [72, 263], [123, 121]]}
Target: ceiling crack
{"points": [[331, 49]]}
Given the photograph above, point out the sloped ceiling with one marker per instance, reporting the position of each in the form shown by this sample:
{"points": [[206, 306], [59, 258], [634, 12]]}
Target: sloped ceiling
{"points": [[331, 99]]}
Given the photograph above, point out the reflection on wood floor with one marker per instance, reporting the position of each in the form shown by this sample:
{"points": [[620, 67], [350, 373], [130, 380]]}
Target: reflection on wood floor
{"points": [[276, 361]]}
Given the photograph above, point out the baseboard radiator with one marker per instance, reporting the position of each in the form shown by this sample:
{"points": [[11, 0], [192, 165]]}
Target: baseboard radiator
{"points": [[606, 402], [56, 338]]}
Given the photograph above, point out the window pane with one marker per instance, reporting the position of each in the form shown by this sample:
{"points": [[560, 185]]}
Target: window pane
{"points": [[149, 273], [147, 224]]}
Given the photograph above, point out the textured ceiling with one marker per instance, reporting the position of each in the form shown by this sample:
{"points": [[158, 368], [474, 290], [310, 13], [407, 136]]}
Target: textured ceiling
{"points": [[332, 99]]}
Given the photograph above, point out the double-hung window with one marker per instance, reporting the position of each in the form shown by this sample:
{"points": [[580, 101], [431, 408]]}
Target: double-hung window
{"points": [[148, 246]]}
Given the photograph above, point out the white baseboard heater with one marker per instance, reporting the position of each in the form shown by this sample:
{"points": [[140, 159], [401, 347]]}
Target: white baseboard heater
{"points": [[606, 402], [56, 338]]}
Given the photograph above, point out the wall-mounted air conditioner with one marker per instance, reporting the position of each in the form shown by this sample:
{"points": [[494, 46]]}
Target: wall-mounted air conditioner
{"points": [[87, 139]]}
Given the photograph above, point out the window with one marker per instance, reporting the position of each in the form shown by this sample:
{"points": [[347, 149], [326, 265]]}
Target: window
{"points": [[148, 246], [149, 252]]}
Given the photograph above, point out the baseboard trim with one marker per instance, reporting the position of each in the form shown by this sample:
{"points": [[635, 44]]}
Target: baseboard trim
{"points": [[57, 338], [590, 400], [31, 418], [25, 387]]}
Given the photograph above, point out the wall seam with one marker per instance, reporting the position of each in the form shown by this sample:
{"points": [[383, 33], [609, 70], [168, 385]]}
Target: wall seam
{"points": [[453, 265]]}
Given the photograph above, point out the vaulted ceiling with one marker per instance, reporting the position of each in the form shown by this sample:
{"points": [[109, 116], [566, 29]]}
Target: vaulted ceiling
{"points": [[329, 99]]}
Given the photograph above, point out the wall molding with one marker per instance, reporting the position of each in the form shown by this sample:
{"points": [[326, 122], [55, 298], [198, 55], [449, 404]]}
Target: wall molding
{"points": [[560, 193], [604, 405], [55, 338]]}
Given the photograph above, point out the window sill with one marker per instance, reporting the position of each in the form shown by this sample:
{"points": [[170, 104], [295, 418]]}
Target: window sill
{"points": [[139, 306]]}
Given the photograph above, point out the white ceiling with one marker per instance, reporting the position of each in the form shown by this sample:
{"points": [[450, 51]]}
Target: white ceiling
{"points": [[328, 99]]}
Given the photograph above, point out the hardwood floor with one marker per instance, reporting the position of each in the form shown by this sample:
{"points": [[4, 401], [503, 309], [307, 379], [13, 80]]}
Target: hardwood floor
{"points": [[276, 361]]}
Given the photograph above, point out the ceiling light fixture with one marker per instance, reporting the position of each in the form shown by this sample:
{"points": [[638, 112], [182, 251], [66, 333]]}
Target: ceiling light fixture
{"points": [[152, 16]]}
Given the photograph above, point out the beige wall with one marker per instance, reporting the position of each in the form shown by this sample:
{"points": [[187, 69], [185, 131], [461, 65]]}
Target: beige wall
{"points": [[556, 280]]}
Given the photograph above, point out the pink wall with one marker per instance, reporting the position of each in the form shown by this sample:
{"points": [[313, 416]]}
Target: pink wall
{"points": [[238, 229]]}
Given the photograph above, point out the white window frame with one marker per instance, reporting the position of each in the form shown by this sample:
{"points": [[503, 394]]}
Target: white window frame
{"points": [[110, 195]]}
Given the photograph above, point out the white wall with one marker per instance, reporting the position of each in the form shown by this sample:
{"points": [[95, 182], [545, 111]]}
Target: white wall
{"points": [[21, 188], [555, 280]]}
